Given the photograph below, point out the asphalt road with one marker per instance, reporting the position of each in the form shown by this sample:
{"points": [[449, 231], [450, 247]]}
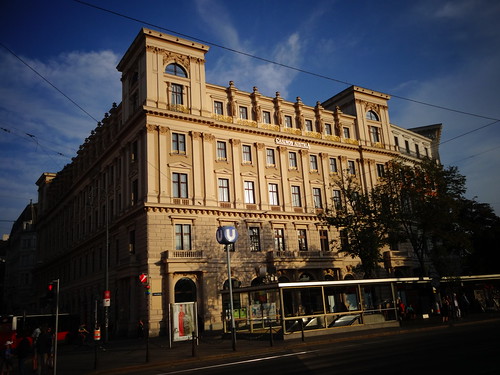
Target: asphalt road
{"points": [[472, 348], [466, 346]]}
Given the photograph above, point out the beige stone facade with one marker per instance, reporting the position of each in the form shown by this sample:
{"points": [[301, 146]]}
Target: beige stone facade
{"points": [[180, 157]]}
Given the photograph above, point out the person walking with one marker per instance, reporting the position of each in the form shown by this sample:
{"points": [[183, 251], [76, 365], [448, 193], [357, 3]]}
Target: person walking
{"points": [[44, 350], [23, 351]]}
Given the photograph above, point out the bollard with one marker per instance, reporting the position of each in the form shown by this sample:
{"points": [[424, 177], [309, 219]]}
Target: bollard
{"points": [[271, 333], [194, 345], [302, 329]]}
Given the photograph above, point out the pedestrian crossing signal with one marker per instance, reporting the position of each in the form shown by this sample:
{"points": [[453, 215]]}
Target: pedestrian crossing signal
{"points": [[50, 291]]}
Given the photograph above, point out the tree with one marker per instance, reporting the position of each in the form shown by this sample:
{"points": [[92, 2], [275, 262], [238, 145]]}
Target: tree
{"points": [[424, 200], [481, 224], [357, 215]]}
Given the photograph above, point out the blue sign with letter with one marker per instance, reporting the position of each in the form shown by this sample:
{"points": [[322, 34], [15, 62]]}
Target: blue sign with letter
{"points": [[226, 235]]}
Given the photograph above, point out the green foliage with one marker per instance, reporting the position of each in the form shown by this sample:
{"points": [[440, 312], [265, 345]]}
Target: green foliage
{"points": [[357, 216], [423, 202]]}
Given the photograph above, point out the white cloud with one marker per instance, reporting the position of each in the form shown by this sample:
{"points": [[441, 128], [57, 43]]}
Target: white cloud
{"points": [[30, 106], [473, 89], [455, 9]]}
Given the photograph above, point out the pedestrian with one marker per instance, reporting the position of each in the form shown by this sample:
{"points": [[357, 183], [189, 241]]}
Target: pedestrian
{"points": [[401, 309], [44, 350], [445, 310], [82, 334], [23, 351], [34, 336], [140, 329], [7, 358]]}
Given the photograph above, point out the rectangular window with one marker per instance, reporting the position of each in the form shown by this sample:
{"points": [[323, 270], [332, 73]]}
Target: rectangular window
{"points": [[396, 142], [337, 201], [249, 192], [131, 242], [221, 150], [177, 94], [317, 198], [223, 190], [288, 122], [302, 236], [266, 117], [309, 125], [218, 108], [344, 240], [179, 185], [323, 240], [271, 160], [254, 236], [178, 143], [328, 129], [333, 165], [417, 151], [279, 239], [296, 201], [313, 160], [247, 154], [380, 170], [426, 151], [273, 195], [134, 194], [134, 152], [182, 237], [292, 160], [347, 133], [407, 146], [351, 167], [375, 134], [243, 113]]}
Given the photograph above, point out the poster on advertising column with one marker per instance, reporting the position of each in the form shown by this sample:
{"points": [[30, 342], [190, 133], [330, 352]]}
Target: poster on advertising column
{"points": [[184, 323]]}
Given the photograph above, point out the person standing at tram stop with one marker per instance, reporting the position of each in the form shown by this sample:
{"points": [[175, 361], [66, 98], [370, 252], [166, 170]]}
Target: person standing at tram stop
{"points": [[401, 309]]}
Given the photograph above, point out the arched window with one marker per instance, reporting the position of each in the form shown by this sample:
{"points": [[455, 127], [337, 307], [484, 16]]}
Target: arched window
{"points": [[176, 70], [371, 115], [185, 290]]}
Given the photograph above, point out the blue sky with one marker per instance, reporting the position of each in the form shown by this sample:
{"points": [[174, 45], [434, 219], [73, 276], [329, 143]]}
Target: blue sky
{"points": [[445, 53]]}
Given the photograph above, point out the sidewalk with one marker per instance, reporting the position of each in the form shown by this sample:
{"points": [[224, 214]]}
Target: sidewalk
{"points": [[131, 354]]}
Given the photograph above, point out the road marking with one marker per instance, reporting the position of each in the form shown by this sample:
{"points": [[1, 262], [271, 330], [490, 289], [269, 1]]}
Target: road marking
{"points": [[237, 363]]}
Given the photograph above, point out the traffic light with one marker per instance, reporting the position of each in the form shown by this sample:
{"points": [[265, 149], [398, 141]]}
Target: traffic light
{"points": [[145, 282], [51, 291]]}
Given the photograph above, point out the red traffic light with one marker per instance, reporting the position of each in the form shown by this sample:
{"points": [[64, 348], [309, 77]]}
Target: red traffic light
{"points": [[51, 287]]}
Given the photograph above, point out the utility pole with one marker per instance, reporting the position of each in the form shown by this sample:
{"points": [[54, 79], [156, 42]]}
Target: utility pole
{"points": [[56, 325]]}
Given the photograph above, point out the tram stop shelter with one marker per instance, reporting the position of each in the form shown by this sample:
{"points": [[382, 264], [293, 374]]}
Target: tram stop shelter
{"points": [[318, 307]]}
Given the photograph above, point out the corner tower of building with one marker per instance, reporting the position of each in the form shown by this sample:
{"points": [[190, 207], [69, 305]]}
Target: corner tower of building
{"points": [[143, 68]]}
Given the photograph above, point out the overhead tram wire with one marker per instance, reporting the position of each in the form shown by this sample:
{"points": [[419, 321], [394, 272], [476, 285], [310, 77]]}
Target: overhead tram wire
{"points": [[48, 82], [248, 55], [278, 63]]}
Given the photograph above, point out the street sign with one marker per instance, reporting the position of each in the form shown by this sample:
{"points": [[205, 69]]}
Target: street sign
{"points": [[226, 235], [143, 278]]}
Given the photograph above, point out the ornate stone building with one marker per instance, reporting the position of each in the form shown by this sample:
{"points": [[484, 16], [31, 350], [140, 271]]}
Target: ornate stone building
{"points": [[180, 157]]}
